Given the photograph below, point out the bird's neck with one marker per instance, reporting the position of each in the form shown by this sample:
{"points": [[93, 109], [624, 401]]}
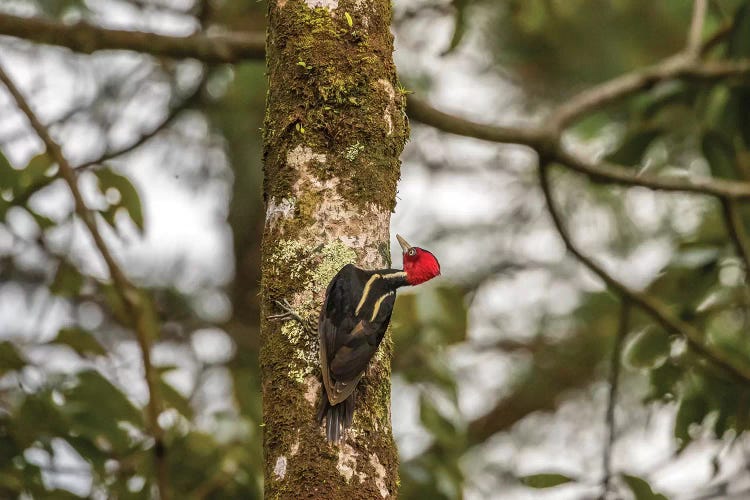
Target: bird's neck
{"points": [[394, 278]]}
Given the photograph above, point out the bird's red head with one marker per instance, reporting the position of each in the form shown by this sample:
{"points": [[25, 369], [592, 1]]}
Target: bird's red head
{"points": [[419, 264]]}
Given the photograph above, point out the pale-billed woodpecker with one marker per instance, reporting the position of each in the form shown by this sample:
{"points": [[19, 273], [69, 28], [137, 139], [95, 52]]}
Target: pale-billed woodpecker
{"points": [[355, 315]]}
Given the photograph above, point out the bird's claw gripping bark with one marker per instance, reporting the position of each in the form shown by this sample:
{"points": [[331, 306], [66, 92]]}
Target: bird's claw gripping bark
{"points": [[290, 314]]}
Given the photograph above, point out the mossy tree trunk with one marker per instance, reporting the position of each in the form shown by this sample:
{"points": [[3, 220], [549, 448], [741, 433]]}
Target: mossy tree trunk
{"points": [[335, 127]]}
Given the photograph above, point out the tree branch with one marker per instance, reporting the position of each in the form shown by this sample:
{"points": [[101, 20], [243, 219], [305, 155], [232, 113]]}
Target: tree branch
{"points": [[738, 233], [422, 112], [555, 367], [658, 311], [608, 172], [677, 67], [186, 103], [87, 38], [535, 139], [137, 305], [696, 28], [614, 378]]}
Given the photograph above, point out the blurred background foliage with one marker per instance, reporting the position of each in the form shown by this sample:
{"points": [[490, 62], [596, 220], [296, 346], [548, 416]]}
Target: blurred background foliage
{"points": [[501, 368]]}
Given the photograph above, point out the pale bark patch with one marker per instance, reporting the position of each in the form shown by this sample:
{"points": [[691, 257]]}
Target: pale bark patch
{"points": [[380, 475], [347, 463], [279, 210], [335, 217], [313, 391], [326, 4], [390, 107], [302, 155], [279, 469]]}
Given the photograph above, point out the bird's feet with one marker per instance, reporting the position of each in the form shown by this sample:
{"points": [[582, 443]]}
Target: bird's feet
{"points": [[290, 314]]}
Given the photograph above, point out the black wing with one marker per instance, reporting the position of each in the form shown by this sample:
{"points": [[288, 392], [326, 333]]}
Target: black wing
{"points": [[348, 341]]}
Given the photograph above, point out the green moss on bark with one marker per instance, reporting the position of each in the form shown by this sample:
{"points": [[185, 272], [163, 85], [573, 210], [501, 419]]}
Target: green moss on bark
{"points": [[330, 96]]}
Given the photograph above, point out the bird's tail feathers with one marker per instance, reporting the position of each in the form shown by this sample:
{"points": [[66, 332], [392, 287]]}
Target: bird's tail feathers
{"points": [[338, 417]]}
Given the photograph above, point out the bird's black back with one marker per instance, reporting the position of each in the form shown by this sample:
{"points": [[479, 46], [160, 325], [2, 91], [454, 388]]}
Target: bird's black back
{"points": [[353, 321]]}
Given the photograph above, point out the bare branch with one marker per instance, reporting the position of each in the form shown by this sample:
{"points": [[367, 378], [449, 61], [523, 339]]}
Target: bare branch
{"points": [[693, 48], [718, 36], [186, 103], [422, 112], [604, 172], [607, 172], [658, 311], [609, 417], [736, 229], [678, 67], [87, 38], [138, 306]]}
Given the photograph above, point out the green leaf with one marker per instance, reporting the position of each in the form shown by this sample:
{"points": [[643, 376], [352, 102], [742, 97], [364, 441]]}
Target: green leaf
{"points": [[37, 419], [80, 340], [68, 281], [109, 216], [8, 175], [641, 489], [114, 302], [10, 358], [58, 494], [42, 221], [648, 349], [174, 399], [692, 410], [664, 380], [450, 314], [94, 393], [34, 171], [129, 199], [633, 147], [439, 426], [349, 20], [459, 25], [89, 451], [720, 154], [545, 480], [4, 206], [739, 37]]}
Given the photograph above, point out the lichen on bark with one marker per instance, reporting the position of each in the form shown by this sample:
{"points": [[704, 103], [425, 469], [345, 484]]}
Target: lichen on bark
{"points": [[334, 129]]}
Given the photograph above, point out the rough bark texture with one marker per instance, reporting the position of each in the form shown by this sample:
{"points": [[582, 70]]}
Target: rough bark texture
{"points": [[334, 129]]}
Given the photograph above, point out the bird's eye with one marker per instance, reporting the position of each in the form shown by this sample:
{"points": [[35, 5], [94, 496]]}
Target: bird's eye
{"points": [[412, 252]]}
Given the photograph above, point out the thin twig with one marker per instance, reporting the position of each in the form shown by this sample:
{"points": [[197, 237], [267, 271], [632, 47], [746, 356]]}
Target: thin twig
{"points": [[289, 314], [138, 307], [718, 36], [184, 104], [611, 173], [677, 67], [651, 305], [695, 34], [736, 229], [609, 417]]}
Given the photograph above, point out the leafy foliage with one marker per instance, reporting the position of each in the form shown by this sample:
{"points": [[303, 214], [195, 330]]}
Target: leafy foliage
{"points": [[641, 489], [124, 196]]}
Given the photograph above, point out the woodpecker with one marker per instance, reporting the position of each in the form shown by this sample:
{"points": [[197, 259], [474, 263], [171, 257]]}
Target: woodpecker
{"points": [[355, 315]]}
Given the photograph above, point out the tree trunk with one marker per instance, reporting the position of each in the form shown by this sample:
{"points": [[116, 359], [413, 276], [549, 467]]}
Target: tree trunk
{"points": [[334, 129]]}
